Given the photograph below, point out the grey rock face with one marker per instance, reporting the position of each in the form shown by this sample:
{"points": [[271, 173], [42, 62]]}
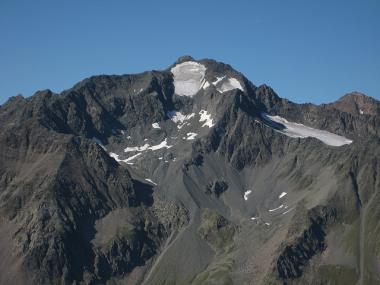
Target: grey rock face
{"points": [[295, 257]]}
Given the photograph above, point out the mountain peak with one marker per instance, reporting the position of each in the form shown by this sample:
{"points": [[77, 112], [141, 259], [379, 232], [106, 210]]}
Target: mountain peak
{"points": [[357, 103], [191, 76], [184, 58], [111, 179], [355, 95]]}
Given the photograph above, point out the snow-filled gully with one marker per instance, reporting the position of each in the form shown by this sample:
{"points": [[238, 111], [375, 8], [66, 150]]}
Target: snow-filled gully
{"points": [[296, 130]]}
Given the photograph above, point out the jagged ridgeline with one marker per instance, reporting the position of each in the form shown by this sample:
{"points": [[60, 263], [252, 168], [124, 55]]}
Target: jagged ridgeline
{"points": [[190, 175]]}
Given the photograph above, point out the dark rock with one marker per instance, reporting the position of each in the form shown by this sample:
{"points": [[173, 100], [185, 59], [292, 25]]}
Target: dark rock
{"points": [[217, 188]]}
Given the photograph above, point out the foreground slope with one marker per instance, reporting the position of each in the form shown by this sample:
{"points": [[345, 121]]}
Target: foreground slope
{"points": [[191, 175]]}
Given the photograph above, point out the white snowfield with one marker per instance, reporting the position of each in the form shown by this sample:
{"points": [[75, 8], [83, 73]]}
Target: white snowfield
{"points": [[246, 193], [295, 130], [282, 195], [156, 126], [163, 144], [205, 117], [188, 78]]}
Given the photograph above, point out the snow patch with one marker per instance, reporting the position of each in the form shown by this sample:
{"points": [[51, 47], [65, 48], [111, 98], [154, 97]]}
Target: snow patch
{"points": [[136, 148], [188, 78], [282, 195], [230, 84], [227, 84], [191, 136], [284, 213], [275, 209], [295, 130], [206, 85], [361, 112], [127, 160], [156, 126], [150, 180], [115, 156], [254, 218], [179, 118], [246, 193], [131, 158], [163, 144], [205, 117], [218, 79], [99, 142]]}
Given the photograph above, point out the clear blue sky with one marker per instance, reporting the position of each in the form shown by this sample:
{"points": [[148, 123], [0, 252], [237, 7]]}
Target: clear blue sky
{"points": [[307, 50]]}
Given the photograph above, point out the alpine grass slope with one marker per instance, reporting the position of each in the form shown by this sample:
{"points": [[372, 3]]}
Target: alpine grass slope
{"points": [[190, 175]]}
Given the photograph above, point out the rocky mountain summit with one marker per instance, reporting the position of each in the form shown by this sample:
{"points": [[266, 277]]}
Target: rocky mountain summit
{"points": [[190, 175]]}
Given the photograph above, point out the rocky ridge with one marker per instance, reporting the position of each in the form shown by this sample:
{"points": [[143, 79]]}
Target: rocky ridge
{"points": [[142, 178]]}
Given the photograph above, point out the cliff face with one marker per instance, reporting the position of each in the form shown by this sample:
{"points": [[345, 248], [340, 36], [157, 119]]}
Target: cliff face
{"points": [[188, 175]]}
